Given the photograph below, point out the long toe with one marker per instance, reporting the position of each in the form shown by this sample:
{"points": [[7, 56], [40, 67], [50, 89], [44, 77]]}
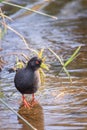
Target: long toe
{"points": [[34, 102], [27, 104]]}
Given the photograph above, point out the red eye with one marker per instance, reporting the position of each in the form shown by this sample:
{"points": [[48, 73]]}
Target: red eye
{"points": [[37, 62]]}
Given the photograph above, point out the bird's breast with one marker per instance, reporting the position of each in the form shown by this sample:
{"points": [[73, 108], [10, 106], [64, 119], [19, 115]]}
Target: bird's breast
{"points": [[37, 81]]}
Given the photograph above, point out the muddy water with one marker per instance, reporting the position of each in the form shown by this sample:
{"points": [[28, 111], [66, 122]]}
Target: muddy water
{"points": [[62, 106]]}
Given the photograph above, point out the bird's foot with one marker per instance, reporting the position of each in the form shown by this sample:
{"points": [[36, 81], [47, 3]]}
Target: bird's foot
{"points": [[26, 104], [33, 101]]}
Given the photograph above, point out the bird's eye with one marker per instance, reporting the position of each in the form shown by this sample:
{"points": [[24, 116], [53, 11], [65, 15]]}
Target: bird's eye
{"points": [[37, 62]]}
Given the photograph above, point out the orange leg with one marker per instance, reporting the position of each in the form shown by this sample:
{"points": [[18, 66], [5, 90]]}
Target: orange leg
{"points": [[26, 104], [33, 101]]}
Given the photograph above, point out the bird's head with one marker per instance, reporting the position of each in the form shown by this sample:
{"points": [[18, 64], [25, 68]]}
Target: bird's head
{"points": [[34, 63]]}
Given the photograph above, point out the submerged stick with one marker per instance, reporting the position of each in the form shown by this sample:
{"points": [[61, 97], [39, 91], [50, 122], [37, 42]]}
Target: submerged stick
{"points": [[32, 127]]}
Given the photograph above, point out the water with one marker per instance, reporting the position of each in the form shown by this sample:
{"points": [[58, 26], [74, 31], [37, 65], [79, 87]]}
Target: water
{"points": [[62, 106]]}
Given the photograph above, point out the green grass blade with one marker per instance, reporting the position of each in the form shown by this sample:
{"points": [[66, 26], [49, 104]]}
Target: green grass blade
{"points": [[1, 94], [64, 68], [66, 71], [33, 128], [73, 56]]}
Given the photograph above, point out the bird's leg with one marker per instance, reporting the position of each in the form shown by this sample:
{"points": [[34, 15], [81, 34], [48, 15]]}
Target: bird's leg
{"points": [[26, 104], [33, 97], [33, 101]]}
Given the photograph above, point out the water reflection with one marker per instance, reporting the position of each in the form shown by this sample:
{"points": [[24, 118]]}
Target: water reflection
{"points": [[70, 104], [65, 105], [34, 116]]}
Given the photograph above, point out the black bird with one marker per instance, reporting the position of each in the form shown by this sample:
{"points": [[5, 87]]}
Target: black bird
{"points": [[27, 80]]}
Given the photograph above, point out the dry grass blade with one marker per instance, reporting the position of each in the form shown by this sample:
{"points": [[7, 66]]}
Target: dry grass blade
{"points": [[20, 37], [2, 31], [6, 17], [18, 54], [62, 63], [41, 13], [3, 18], [2, 62], [30, 126]]}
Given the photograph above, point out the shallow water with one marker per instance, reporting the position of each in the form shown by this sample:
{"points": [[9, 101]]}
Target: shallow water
{"points": [[62, 106]]}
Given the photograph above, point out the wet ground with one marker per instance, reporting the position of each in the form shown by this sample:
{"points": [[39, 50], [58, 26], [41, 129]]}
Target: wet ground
{"points": [[62, 106]]}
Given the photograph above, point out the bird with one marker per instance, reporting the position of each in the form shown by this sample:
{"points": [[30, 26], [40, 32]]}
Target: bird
{"points": [[27, 80]]}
